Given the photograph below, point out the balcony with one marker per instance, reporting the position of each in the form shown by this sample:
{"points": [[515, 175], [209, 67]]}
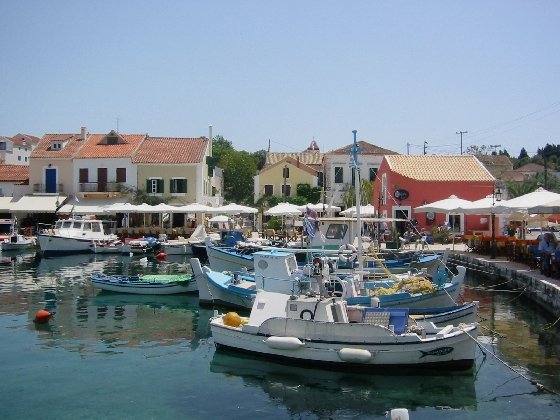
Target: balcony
{"points": [[42, 189], [101, 187]]}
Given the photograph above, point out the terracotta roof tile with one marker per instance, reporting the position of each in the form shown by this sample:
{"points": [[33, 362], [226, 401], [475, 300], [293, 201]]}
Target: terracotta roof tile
{"points": [[365, 148], [94, 147], [28, 139], [293, 162], [43, 149], [171, 150], [14, 173], [439, 168], [312, 158]]}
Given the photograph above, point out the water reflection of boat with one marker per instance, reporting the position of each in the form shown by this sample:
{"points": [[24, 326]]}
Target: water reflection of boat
{"points": [[304, 390]]}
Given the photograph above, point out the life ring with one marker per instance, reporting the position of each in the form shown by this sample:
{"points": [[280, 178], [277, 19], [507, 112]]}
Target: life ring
{"points": [[306, 311], [343, 255]]}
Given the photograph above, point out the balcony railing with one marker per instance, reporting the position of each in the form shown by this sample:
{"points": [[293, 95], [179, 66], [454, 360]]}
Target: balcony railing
{"points": [[101, 186], [42, 188]]}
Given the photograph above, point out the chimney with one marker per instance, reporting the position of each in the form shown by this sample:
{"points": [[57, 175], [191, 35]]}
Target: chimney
{"points": [[83, 134]]}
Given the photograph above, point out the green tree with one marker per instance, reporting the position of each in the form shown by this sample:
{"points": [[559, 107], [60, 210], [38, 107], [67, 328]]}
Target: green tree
{"points": [[239, 169], [366, 194], [260, 157], [311, 194], [220, 146], [523, 154]]}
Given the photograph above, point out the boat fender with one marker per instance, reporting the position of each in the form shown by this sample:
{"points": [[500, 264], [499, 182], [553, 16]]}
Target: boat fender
{"points": [[354, 355], [283, 343], [161, 255], [42, 316], [343, 255], [306, 315]]}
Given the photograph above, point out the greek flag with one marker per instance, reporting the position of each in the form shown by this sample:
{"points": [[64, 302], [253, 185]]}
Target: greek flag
{"points": [[309, 222]]}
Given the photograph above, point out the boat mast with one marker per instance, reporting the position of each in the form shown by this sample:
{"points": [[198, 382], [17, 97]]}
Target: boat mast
{"points": [[358, 199]]}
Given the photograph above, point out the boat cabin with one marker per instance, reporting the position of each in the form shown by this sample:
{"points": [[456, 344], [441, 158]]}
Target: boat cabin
{"points": [[75, 227]]}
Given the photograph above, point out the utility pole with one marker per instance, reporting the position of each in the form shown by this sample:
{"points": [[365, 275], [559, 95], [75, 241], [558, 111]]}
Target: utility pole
{"points": [[425, 146], [461, 134]]}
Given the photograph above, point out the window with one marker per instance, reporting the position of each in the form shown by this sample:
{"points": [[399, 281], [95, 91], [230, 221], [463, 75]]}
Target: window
{"points": [[19, 158], [154, 186], [178, 185], [286, 172], [268, 190], [288, 189], [336, 231], [84, 175], [56, 145], [372, 174], [121, 174], [338, 175], [2, 145], [26, 158], [353, 176], [320, 179]]}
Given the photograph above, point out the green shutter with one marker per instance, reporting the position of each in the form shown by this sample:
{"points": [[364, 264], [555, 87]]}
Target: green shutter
{"points": [[160, 186], [148, 186], [172, 186]]}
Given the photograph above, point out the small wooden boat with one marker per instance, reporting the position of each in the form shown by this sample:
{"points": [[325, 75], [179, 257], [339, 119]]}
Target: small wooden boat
{"points": [[314, 330], [149, 284], [109, 247], [17, 242]]}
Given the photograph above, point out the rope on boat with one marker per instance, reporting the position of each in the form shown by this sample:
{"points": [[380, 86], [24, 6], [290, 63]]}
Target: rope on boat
{"points": [[548, 326], [539, 386]]}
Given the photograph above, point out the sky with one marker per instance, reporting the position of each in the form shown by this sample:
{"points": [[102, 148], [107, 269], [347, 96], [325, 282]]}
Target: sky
{"points": [[404, 74]]}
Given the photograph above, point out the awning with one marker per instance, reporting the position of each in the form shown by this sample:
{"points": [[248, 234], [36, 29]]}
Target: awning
{"points": [[37, 203], [6, 204], [85, 206]]}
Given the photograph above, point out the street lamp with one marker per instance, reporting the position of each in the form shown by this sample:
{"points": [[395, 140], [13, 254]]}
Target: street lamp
{"points": [[496, 196]]}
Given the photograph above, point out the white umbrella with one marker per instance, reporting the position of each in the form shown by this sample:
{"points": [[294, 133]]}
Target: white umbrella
{"points": [[194, 208], [120, 208], [367, 210], [284, 209], [452, 205], [533, 199], [551, 207], [487, 205], [164, 208], [145, 208], [326, 207], [220, 218], [447, 205], [233, 208]]}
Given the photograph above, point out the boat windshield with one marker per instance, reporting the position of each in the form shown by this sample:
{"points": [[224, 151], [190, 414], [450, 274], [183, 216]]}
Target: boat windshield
{"points": [[67, 224], [87, 226], [77, 225], [336, 231]]}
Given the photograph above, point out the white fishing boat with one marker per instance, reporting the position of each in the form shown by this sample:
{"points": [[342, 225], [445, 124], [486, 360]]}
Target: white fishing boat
{"points": [[72, 235], [16, 242], [317, 330], [149, 284], [183, 246]]}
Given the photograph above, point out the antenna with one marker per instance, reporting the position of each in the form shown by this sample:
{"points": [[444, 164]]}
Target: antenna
{"points": [[118, 124], [494, 146], [461, 133]]}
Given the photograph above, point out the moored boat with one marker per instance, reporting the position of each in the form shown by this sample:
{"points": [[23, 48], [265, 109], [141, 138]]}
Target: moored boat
{"points": [[17, 242], [149, 284], [72, 235], [314, 330]]}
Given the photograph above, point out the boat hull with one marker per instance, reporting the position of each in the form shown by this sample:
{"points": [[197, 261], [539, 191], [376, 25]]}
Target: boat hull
{"points": [[347, 348], [225, 260], [125, 285], [53, 244], [177, 248]]}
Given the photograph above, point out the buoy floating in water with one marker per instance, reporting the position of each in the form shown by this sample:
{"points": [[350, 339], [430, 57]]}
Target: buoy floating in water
{"points": [[161, 255], [42, 316]]}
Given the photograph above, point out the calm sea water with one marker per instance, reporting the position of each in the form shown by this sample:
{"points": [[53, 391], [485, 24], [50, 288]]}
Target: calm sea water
{"points": [[116, 356]]}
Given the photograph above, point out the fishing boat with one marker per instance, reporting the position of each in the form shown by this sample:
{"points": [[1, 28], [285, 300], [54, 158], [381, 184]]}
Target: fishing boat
{"points": [[72, 235], [318, 330], [148, 284], [115, 246], [16, 242], [277, 270], [181, 245]]}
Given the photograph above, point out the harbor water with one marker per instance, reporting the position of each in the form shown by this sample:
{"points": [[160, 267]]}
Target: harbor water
{"points": [[114, 356]]}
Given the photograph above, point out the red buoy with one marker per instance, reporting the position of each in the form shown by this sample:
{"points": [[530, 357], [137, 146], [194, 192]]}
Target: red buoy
{"points": [[42, 316], [161, 256]]}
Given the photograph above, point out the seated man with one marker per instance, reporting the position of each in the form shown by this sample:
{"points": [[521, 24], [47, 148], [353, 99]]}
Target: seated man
{"points": [[547, 247]]}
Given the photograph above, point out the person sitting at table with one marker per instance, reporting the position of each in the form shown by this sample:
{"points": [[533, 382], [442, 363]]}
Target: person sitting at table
{"points": [[547, 247]]}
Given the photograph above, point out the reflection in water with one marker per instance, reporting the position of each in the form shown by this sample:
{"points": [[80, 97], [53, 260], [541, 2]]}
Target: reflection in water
{"points": [[329, 394], [113, 321]]}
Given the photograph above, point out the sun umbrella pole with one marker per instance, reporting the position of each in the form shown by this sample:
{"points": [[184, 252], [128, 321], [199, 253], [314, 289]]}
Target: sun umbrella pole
{"points": [[358, 199]]}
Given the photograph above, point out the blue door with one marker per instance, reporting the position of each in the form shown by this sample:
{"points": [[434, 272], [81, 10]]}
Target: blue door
{"points": [[50, 180]]}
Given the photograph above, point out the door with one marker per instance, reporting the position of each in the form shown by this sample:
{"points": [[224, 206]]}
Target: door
{"points": [[50, 180], [101, 179]]}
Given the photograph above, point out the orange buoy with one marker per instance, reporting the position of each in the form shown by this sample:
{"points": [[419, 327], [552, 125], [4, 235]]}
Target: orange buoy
{"points": [[161, 255], [42, 316]]}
